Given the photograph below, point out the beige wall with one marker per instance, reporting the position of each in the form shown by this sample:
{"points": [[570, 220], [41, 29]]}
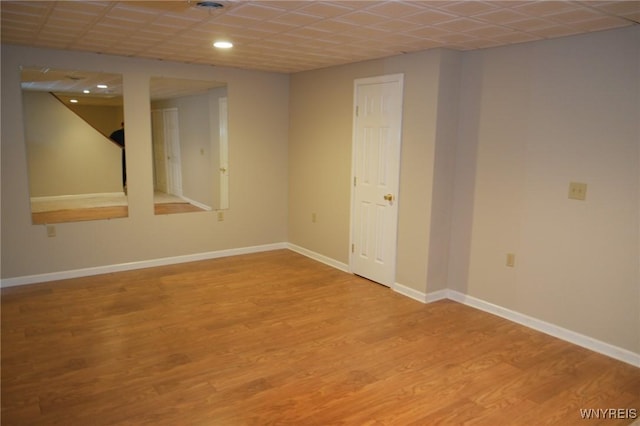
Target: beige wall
{"points": [[533, 118], [320, 158], [491, 140], [258, 125], [105, 118]]}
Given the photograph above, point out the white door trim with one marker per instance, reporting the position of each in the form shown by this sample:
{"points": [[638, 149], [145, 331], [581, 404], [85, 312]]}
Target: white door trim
{"points": [[224, 152]]}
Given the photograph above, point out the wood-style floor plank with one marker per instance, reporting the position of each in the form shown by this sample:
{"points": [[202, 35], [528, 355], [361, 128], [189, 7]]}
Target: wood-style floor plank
{"points": [[101, 213], [275, 338], [79, 215]]}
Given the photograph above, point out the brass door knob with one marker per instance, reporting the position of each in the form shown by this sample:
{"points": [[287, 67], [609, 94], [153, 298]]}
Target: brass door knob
{"points": [[388, 197]]}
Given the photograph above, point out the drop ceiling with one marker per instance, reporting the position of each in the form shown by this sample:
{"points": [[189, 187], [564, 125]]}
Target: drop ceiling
{"points": [[293, 36]]}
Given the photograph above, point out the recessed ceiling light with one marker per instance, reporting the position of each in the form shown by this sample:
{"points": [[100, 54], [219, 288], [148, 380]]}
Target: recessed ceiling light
{"points": [[223, 44], [73, 101], [86, 91], [102, 86], [209, 4]]}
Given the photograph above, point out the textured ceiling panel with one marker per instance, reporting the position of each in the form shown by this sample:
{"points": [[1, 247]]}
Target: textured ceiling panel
{"points": [[292, 36]]}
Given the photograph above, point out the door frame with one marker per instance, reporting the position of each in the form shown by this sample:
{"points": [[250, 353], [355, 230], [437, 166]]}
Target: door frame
{"points": [[173, 169], [388, 78], [223, 146]]}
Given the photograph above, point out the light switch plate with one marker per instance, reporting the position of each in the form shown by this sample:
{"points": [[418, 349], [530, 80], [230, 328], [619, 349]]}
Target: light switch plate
{"points": [[511, 260]]}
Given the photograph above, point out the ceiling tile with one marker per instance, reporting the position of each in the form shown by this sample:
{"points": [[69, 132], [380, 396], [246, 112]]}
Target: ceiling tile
{"points": [[617, 7], [342, 39], [330, 25], [235, 21], [430, 17], [132, 14], [543, 8], [490, 31], [481, 43], [421, 44], [296, 19], [19, 19], [289, 36], [393, 9], [174, 21], [361, 18], [365, 32], [516, 37], [272, 27], [397, 25], [461, 24], [467, 8], [456, 38], [317, 43], [601, 23], [530, 24], [429, 32], [308, 32], [255, 10], [500, 16], [324, 9], [30, 8], [556, 31], [572, 16], [398, 38]]}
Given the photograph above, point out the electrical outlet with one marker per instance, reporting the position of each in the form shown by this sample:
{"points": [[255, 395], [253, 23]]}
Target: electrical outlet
{"points": [[220, 216], [51, 231], [577, 191], [511, 260], [313, 217]]}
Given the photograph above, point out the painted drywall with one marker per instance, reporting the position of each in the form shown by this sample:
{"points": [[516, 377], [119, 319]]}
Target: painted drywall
{"points": [[533, 118], [443, 170], [258, 126], [66, 155], [104, 118], [320, 144]]}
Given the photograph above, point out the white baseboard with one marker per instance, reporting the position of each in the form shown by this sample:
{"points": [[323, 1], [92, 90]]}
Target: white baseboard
{"points": [[418, 295], [319, 257], [553, 330], [197, 204], [519, 318], [548, 328], [85, 272]]}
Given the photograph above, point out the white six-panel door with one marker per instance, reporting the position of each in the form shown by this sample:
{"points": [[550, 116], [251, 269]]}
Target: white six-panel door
{"points": [[376, 171]]}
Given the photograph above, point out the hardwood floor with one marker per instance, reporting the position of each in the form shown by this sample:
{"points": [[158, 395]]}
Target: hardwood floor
{"points": [[98, 213], [276, 338], [170, 208], [79, 215]]}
